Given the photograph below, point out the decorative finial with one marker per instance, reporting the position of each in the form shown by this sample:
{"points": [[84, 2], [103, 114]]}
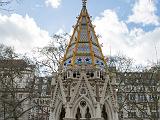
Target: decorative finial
{"points": [[84, 3]]}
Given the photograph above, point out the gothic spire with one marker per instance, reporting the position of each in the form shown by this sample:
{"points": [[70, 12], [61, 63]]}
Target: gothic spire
{"points": [[84, 47], [84, 2]]}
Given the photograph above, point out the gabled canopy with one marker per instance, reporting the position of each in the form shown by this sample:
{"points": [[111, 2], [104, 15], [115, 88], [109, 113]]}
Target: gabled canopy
{"points": [[83, 47]]}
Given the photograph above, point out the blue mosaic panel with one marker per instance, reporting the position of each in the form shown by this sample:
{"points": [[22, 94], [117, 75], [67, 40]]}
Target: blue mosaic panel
{"points": [[88, 60], [79, 60], [85, 60]]}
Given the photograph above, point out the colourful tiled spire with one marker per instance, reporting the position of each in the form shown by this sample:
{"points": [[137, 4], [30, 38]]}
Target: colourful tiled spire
{"points": [[83, 47]]}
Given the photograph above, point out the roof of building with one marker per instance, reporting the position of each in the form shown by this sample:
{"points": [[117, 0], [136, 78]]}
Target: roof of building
{"points": [[84, 47], [14, 63]]}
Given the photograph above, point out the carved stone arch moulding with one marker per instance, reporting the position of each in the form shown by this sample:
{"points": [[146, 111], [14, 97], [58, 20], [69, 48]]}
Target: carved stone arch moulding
{"points": [[58, 110], [81, 104], [109, 109]]}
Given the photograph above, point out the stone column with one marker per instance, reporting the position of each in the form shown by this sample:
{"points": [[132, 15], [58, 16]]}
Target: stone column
{"points": [[52, 116], [98, 113], [68, 113]]}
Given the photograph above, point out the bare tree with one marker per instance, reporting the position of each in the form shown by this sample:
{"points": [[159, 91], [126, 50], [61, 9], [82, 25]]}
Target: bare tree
{"points": [[122, 63], [47, 60], [50, 56], [4, 4], [16, 85], [138, 89], [7, 52]]}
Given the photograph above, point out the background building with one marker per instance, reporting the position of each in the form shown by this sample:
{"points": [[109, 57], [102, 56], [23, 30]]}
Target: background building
{"points": [[16, 88], [41, 99], [139, 95]]}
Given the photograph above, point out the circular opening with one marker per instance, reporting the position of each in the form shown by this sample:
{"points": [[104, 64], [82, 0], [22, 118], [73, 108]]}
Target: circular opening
{"points": [[83, 91], [83, 103]]}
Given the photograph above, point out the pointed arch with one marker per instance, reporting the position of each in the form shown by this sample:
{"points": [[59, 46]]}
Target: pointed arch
{"points": [[58, 109], [104, 113], [109, 109], [87, 115], [78, 114], [62, 113], [88, 102]]}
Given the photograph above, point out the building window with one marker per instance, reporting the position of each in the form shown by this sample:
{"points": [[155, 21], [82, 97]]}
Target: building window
{"points": [[76, 74], [131, 107], [155, 114], [141, 97], [143, 114], [150, 98], [153, 106], [120, 114], [132, 97], [144, 107], [131, 114], [152, 88], [153, 97], [90, 74], [97, 73], [68, 74], [20, 96], [119, 97]]}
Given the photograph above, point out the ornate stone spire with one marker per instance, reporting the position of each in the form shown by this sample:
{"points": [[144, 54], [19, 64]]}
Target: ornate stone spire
{"points": [[84, 3], [84, 48]]}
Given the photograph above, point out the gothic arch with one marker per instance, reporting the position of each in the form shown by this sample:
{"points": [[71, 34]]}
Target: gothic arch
{"points": [[88, 104], [62, 113], [104, 113], [78, 114], [87, 114], [58, 109], [109, 110]]}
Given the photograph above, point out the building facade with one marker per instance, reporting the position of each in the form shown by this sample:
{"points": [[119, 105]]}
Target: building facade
{"points": [[41, 99], [139, 95], [16, 80]]}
